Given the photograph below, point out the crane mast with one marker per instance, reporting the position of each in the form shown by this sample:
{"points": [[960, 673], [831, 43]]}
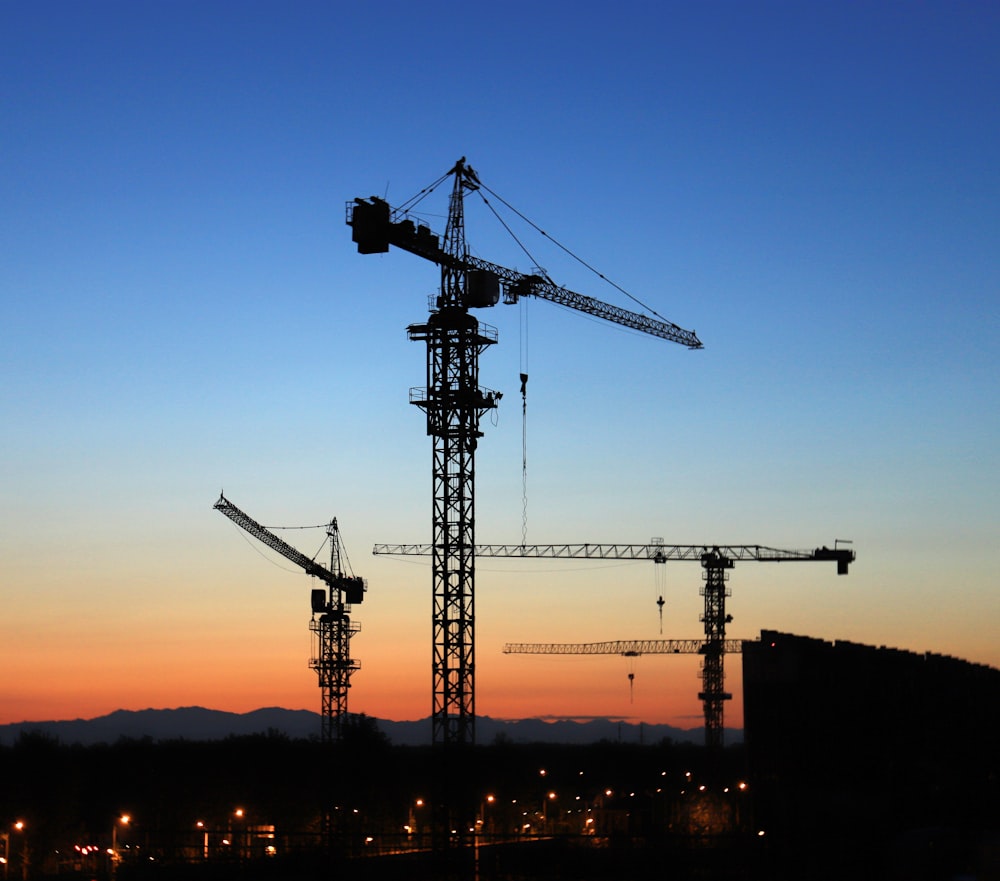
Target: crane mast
{"points": [[332, 630], [453, 403], [331, 623], [715, 560]]}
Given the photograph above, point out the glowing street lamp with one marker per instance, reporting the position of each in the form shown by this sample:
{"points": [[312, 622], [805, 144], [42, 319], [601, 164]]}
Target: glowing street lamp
{"points": [[550, 796], [414, 825], [123, 820], [241, 836], [484, 823], [17, 827]]}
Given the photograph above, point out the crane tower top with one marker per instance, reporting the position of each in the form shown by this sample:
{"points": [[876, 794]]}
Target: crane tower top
{"points": [[375, 225]]}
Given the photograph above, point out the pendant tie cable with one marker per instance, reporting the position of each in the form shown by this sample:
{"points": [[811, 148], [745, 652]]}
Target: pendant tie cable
{"points": [[343, 550], [318, 526], [559, 245]]}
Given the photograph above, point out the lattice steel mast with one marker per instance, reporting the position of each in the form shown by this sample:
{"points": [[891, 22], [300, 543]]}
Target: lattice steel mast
{"points": [[453, 403]]}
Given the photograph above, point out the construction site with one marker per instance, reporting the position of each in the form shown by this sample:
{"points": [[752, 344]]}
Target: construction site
{"points": [[762, 808]]}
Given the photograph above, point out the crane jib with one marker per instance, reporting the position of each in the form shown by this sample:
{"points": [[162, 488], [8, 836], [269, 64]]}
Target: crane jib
{"points": [[352, 587], [374, 230], [656, 553]]}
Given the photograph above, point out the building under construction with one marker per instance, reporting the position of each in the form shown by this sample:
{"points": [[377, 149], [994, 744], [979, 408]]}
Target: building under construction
{"points": [[872, 758]]}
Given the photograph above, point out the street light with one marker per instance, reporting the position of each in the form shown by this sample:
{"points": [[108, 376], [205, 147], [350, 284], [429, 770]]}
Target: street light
{"points": [[123, 820], [551, 796], [415, 826], [19, 826], [241, 841]]}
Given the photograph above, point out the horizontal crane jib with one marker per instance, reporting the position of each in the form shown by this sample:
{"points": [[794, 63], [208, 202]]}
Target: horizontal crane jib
{"points": [[658, 553], [628, 648]]}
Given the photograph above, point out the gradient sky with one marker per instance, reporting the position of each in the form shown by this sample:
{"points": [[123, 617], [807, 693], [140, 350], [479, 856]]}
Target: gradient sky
{"points": [[812, 187]]}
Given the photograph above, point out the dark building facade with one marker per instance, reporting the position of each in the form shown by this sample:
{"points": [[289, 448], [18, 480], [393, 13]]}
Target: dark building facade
{"points": [[877, 761]]}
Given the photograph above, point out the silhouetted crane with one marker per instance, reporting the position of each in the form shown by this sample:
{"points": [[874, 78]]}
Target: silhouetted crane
{"points": [[453, 403], [716, 560], [331, 622]]}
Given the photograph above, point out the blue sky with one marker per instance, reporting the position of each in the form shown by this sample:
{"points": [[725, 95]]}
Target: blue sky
{"points": [[812, 187]]}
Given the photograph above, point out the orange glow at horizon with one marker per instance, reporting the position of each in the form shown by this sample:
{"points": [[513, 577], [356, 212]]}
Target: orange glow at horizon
{"points": [[507, 687]]}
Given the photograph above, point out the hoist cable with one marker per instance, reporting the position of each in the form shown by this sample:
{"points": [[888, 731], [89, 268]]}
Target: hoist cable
{"points": [[524, 459], [524, 420]]}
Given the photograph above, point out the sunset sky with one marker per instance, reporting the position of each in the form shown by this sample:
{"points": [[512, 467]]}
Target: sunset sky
{"points": [[813, 187]]}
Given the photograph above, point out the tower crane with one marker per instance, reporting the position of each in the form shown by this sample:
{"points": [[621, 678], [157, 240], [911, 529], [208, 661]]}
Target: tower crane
{"points": [[331, 623], [716, 560], [453, 404]]}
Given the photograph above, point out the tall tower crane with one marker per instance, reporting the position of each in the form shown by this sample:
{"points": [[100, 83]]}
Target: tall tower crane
{"points": [[716, 560], [453, 403], [331, 623]]}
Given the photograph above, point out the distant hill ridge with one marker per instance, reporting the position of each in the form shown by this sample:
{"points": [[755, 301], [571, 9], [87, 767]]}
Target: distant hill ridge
{"points": [[198, 723]]}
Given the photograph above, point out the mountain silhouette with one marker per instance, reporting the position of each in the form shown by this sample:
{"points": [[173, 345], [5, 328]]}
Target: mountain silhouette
{"points": [[198, 723]]}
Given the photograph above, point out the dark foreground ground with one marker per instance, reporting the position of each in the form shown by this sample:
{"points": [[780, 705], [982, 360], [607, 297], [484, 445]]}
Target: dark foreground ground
{"points": [[252, 808]]}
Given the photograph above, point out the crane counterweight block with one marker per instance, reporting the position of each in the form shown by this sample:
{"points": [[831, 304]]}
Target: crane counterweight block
{"points": [[842, 556], [369, 222]]}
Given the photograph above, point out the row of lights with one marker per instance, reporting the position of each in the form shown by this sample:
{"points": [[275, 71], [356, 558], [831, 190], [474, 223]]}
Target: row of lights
{"points": [[125, 819]]}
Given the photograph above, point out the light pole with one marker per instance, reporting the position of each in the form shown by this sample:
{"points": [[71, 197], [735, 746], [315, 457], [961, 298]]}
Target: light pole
{"points": [[416, 826], [242, 845], [123, 820], [19, 826], [486, 819]]}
